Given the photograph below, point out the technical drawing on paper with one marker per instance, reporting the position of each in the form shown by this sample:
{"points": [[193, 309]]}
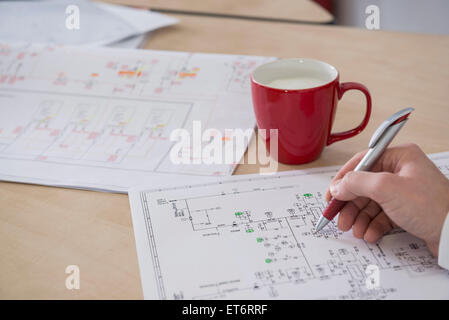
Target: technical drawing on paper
{"points": [[129, 135], [252, 238], [76, 110]]}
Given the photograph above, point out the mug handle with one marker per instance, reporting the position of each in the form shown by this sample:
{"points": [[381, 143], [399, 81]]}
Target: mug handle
{"points": [[343, 87]]}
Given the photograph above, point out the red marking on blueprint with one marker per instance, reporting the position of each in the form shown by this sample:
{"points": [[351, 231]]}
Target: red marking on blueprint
{"points": [[112, 158], [79, 131], [18, 130], [158, 138], [55, 132], [126, 73], [92, 135]]}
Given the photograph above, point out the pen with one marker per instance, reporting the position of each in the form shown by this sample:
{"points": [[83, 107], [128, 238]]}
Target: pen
{"points": [[377, 145]]}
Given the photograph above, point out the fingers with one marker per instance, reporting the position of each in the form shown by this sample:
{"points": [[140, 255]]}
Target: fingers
{"points": [[364, 218], [358, 215], [392, 160], [379, 226], [349, 166], [369, 193], [370, 223], [349, 213], [379, 187]]}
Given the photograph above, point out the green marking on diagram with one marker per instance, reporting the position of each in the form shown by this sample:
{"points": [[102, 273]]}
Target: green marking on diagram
{"points": [[249, 230], [307, 195], [268, 260], [238, 214], [259, 240]]}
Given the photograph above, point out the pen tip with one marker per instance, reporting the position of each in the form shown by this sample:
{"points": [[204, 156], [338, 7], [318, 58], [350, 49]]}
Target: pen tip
{"points": [[322, 222]]}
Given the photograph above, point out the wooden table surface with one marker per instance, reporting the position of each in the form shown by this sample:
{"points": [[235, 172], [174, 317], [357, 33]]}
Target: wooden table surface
{"points": [[44, 229], [288, 10]]}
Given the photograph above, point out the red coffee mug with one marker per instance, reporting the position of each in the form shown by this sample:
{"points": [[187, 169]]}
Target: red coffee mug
{"points": [[299, 98]]}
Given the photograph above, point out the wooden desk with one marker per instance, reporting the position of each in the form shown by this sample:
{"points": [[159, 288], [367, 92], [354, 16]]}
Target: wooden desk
{"points": [[42, 229], [305, 11], [395, 67]]}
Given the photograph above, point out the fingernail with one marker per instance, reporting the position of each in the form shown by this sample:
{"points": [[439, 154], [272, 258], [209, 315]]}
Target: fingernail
{"points": [[334, 187]]}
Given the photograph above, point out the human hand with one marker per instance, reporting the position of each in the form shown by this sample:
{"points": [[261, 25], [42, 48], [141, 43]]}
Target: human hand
{"points": [[405, 189]]}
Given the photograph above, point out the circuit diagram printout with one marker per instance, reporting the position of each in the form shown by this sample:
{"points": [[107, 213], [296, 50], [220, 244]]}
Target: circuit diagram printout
{"points": [[251, 237], [101, 118]]}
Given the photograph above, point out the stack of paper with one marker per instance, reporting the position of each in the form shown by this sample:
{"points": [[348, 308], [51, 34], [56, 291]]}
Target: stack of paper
{"points": [[77, 23], [102, 118]]}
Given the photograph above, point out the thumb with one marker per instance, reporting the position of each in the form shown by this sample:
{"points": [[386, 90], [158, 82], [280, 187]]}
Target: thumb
{"points": [[380, 186]]}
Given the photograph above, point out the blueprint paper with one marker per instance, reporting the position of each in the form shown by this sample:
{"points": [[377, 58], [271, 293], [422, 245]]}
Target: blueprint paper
{"points": [[100, 23], [141, 20], [134, 42], [251, 237], [101, 118]]}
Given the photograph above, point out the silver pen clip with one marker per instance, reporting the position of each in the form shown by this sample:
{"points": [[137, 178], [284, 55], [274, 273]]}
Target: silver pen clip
{"points": [[393, 119]]}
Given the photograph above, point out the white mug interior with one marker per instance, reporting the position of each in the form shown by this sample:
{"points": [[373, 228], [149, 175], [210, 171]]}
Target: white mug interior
{"points": [[323, 72]]}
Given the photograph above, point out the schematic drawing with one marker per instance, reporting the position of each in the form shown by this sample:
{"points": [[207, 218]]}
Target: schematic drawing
{"points": [[253, 239], [113, 109]]}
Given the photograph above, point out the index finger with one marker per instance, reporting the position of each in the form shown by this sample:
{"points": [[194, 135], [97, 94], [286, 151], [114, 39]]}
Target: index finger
{"points": [[349, 166]]}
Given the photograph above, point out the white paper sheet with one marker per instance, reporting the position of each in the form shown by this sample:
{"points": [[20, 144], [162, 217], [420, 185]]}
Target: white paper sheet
{"points": [[102, 118], [100, 23], [135, 42], [250, 237]]}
